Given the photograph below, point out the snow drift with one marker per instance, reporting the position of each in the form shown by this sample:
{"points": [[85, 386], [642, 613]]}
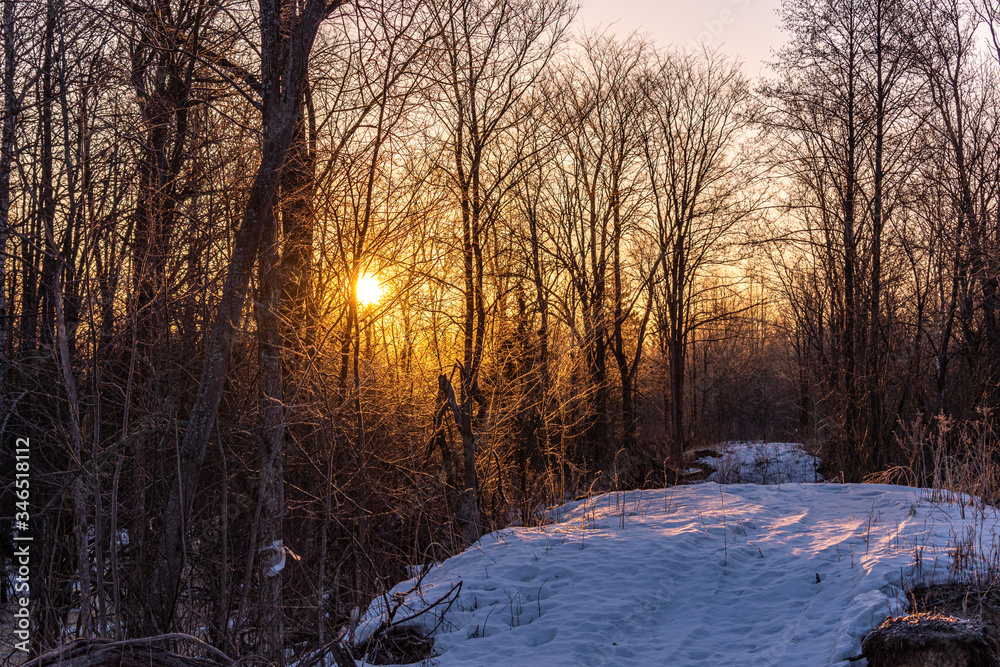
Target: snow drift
{"points": [[706, 574], [762, 463]]}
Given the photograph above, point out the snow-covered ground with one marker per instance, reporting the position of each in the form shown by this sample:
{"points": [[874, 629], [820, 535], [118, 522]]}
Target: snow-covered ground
{"points": [[740, 574], [762, 463]]}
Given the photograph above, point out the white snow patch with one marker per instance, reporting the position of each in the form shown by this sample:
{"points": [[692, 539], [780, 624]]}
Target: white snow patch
{"points": [[707, 574], [763, 463], [278, 551]]}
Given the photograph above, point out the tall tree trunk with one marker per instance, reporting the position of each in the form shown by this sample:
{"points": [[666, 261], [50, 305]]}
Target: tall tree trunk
{"points": [[10, 111], [468, 506], [849, 335], [282, 90], [79, 494], [676, 350], [272, 547], [876, 428], [297, 225], [47, 199]]}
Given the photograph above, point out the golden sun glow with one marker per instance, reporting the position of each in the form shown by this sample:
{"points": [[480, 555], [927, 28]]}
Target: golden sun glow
{"points": [[369, 290]]}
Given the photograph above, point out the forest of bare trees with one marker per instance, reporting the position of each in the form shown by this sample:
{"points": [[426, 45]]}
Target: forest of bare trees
{"points": [[582, 254]]}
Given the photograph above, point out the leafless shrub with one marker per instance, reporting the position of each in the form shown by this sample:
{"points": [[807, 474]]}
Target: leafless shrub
{"points": [[948, 454]]}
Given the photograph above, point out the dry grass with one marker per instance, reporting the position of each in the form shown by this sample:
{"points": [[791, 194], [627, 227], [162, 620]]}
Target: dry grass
{"points": [[949, 455]]}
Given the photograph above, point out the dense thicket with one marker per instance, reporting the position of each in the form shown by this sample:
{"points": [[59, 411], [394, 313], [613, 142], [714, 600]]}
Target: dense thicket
{"points": [[594, 254]]}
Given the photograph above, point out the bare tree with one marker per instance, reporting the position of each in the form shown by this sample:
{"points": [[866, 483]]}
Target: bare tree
{"points": [[11, 105], [700, 183], [284, 58], [962, 98], [494, 51], [603, 203]]}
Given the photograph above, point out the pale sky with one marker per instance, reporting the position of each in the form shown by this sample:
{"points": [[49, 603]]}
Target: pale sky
{"points": [[744, 28]]}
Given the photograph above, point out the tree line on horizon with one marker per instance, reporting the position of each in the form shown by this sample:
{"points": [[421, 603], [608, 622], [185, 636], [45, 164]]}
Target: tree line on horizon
{"points": [[595, 255]]}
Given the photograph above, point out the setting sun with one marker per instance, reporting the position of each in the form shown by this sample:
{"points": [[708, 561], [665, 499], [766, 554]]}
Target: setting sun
{"points": [[369, 290]]}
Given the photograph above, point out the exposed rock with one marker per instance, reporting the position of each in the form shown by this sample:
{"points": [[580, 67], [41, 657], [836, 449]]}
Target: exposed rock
{"points": [[696, 469], [931, 640]]}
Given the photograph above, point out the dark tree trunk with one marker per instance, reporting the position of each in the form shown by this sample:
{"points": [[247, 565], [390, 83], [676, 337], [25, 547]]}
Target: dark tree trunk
{"points": [[281, 90], [271, 550], [10, 111]]}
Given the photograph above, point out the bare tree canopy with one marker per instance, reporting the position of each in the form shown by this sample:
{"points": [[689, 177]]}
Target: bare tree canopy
{"points": [[296, 297]]}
